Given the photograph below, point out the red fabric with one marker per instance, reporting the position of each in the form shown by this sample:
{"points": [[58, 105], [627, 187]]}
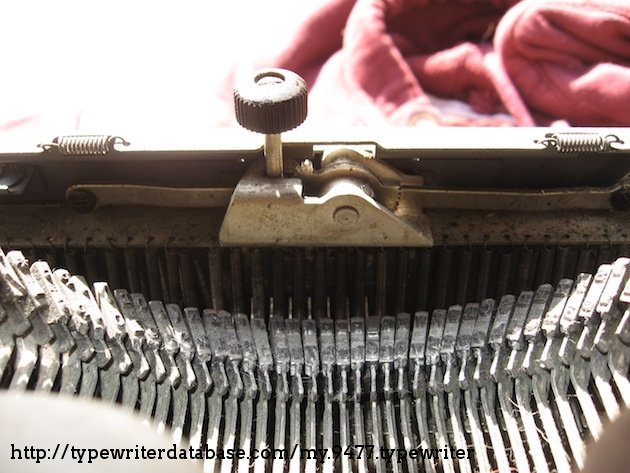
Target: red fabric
{"points": [[367, 62], [570, 59], [374, 62]]}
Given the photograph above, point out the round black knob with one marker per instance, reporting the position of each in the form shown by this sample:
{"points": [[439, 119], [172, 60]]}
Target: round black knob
{"points": [[271, 101]]}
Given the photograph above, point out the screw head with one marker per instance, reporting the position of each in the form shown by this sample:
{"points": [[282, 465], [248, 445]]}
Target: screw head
{"points": [[81, 200], [306, 167], [620, 200], [346, 215]]}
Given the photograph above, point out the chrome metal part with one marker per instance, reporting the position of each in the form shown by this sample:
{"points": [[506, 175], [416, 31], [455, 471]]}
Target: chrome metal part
{"points": [[83, 145], [570, 142]]}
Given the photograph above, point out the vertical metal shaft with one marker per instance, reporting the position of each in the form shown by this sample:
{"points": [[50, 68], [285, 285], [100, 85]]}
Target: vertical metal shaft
{"points": [[273, 155]]}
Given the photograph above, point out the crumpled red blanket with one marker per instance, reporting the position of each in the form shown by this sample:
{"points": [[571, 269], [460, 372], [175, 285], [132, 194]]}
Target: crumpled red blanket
{"points": [[400, 62], [530, 62]]}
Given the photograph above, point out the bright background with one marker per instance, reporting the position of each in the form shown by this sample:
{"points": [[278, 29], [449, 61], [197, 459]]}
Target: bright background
{"points": [[129, 64]]}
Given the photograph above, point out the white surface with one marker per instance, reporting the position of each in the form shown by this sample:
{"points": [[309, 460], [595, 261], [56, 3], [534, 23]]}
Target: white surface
{"points": [[137, 64]]}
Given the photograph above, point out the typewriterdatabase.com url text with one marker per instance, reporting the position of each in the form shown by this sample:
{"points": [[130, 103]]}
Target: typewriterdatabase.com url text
{"points": [[138, 452]]}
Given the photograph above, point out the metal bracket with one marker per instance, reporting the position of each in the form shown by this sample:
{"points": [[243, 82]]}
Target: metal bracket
{"points": [[265, 211]]}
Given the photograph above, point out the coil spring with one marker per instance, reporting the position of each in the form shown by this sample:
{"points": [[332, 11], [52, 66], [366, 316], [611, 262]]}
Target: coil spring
{"points": [[83, 145], [580, 142]]}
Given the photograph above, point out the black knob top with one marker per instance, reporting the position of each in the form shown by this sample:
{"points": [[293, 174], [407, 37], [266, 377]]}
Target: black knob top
{"points": [[271, 101]]}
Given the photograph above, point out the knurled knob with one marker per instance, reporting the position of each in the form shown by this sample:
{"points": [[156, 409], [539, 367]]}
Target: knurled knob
{"points": [[271, 101]]}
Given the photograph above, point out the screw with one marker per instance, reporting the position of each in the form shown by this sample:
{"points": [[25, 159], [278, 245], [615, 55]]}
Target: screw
{"points": [[306, 167], [346, 215], [81, 200], [621, 200]]}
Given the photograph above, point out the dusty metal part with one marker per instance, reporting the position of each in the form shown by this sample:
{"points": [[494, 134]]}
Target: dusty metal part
{"points": [[78, 324], [48, 368], [619, 363], [96, 328], [57, 311], [202, 351], [311, 370], [607, 341], [562, 309], [523, 200], [326, 329], [214, 408], [229, 430], [26, 226], [148, 396], [273, 155], [162, 405], [579, 368], [466, 377], [153, 342], [524, 327], [608, 306], [184, 341], [12, 287], [236, 385], [169, 345], [619, 357], [541, 385], [7, 346], [608, 277], [135, 333], [482, 390], [130, 388], [403, 194], [379, 180], [220, 356], [71, 371], [26, 355], [435, 385], [266, 212], [559, 383], [89, 378], [234, 354], [24, 299], [357, 363], [401, 351], [282, 359], [250, 386], [265, 359], [197, 415], [179, 410], [522, 388], [18, 324], [246, 410], [106, 195], [499, 373], [109, 382], [450, 341], [386, 362], [114, 327]]}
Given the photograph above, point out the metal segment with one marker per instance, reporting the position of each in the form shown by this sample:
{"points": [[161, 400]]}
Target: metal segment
{"points": [[521, 384]]}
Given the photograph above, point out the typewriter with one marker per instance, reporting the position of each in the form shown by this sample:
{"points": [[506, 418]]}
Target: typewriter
{"points": [[455, 298]]}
